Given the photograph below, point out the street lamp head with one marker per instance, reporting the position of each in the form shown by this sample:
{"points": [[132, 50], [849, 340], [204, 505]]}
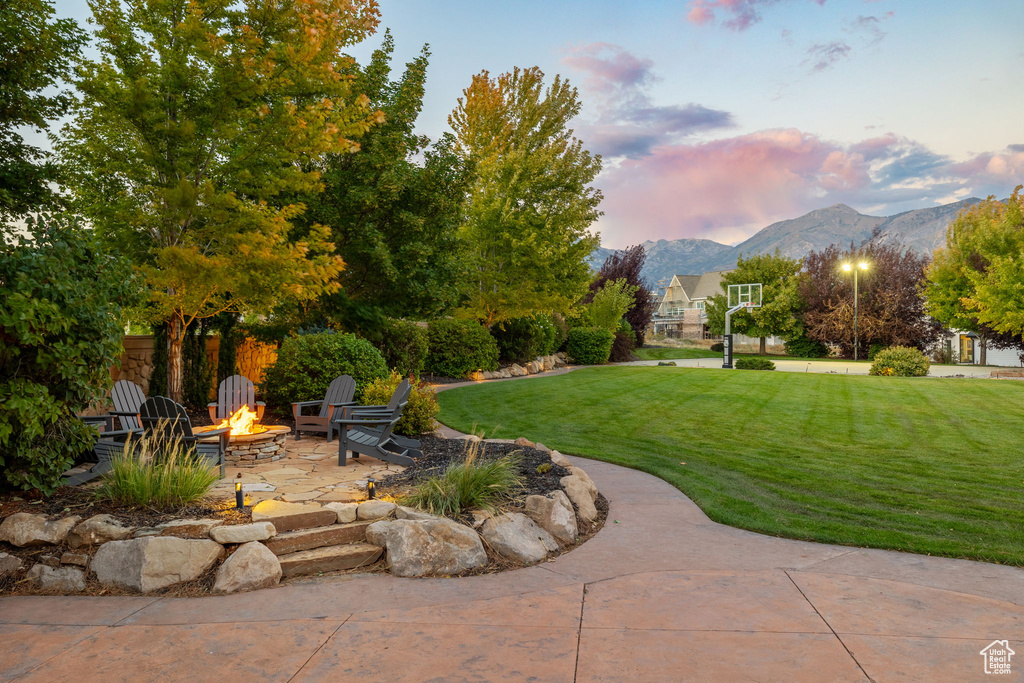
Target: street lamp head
{"points": [[847, 267], [863, 265]]}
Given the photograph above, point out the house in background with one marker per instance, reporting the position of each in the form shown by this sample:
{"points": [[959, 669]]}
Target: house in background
{"points": [[966, 347], [681, 304]]}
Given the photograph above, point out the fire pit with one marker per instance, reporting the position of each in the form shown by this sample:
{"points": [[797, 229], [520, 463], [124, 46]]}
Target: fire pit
{"points": [[251, 442]]}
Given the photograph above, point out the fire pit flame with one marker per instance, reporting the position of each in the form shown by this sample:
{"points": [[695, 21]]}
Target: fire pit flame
{"points": [[242, 421]]}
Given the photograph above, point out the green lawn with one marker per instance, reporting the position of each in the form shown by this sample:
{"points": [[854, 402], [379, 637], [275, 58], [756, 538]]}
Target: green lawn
{"points": [[923, 465], [647, 353]]}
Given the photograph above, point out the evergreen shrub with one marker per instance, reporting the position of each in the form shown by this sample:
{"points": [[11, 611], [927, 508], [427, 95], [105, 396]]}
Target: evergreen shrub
{"points": [[404, 346], [307, 364], [459, 347], [802, 347], [753, 363], [520, 340], [900, 361], [589, 345]]}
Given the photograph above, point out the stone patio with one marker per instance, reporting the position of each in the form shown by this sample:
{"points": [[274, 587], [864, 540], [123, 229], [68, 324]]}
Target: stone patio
{"points": [[308, 472]]}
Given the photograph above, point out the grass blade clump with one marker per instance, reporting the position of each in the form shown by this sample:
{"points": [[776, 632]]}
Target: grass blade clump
{"points": [[157, 473], [470, 485]]}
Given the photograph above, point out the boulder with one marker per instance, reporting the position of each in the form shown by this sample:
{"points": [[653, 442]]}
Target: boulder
{"points": [[402, 512], [249, 568], [64, 579], [514, 536], [591, 487], [307, 539], [579, 494], [432, 547], [479, 517], [554, 514], [77, 559], [153, 562], [377, 532], [516, 370], [97, 530], [375, 509], [561, 460], [541, 447], [346, 511], [24, 529], [505, 374], [243, 533], [292, 516], [329, 559], [524, 442], [9, 564], [189, 528]]}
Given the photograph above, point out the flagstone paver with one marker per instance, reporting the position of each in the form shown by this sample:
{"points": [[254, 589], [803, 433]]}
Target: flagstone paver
{"points": [[660, 594]]}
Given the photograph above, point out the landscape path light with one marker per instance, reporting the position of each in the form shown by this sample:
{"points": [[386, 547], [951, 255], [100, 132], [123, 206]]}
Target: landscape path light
{"points": [[861, 265]]}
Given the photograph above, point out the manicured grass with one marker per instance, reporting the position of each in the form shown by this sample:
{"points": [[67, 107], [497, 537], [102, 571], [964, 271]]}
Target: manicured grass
{"points": [[648, 353], [922, 465]]}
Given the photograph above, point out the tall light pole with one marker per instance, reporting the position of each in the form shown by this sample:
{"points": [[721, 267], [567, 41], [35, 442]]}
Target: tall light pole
{"points": [[848, 267]]}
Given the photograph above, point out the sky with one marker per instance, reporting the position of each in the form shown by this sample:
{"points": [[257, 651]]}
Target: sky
{"points": [[715, 118]]}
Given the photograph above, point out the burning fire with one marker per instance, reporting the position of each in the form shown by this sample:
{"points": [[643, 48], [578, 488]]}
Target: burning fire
{"points": [[242, 421]]}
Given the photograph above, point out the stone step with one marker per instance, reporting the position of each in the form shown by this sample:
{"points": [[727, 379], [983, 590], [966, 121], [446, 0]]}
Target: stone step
{"points": [[317, 537], [329, 559], [292, 516]]}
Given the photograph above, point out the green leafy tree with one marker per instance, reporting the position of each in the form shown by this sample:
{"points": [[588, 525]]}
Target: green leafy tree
{"points": [[60, 331], [196, 122], [531, 205], [35, 55], [610, 303], [780, 301], [394, 221]]}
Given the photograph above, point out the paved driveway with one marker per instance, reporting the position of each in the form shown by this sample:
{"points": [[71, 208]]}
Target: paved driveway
{"points": [[660, 594]]}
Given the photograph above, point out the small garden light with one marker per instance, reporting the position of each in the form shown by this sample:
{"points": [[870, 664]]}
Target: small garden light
{"points": [[239, 495], [371, 489]]}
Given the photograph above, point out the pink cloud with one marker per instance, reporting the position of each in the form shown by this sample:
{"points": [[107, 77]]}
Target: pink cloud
{"points": [[743, 13], [608, 65]]}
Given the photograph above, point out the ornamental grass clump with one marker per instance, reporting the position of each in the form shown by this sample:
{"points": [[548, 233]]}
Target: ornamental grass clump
{"points": [[469, 485], [163, 475]]}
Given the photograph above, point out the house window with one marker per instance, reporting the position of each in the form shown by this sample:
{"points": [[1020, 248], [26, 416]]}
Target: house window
{"points": [[700, 305]]}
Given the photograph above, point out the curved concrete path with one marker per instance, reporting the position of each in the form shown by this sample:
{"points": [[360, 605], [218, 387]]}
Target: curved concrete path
{"points": [[835, 367], [660, 594]]}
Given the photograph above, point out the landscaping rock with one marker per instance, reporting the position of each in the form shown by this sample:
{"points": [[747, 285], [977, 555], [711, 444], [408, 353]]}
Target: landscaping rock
{"points": [[243, 533], [332, 558], [64, 579], [377, 532], [479, 517], [24, 529], [591, 487], [432, 547], [346, 511], [76, 559], [9, 564], [523, 441], [292, 516], [579, 494], [561, 460], [375, 509], [515, 537], [147, 564], [97, 530], [505, 374], [402, 512], [306, 539], [554, 514], [189, 528], [48, 560], [541, 447], [249, 568], [516, 370]]}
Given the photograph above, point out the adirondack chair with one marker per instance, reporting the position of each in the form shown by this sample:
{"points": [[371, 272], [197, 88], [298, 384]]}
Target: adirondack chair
{"points": [[127, 396], [234, 392], [399, 398], [108, 446], [163, 418], [339, 394], [373, 436]]}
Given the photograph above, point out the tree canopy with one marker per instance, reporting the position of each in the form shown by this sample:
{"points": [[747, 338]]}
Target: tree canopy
{"points": [[195, 123], [627, 264], [531, 202]]}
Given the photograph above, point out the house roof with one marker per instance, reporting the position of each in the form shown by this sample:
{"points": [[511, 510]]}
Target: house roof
{"points": [[688, 283], [708, 285]]}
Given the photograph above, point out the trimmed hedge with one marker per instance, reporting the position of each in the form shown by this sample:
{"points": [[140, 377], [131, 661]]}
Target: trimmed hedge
{"points": [[418, 414], [900, 361], [589, 345], [803, 347], [404, 346], [718, 347], [753, 363], [520, 340], [459, 347], [307, 364]]}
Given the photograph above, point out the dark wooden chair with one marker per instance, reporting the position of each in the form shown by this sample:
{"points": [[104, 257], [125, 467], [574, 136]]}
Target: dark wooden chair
{"points": [[373, 436], [233, 393], [399, 398], [108, 446], [126, 396], [339, 394], [166, 420]]}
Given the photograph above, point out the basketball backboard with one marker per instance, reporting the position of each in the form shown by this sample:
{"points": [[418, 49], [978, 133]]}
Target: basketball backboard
{"points": [[748, 295]]}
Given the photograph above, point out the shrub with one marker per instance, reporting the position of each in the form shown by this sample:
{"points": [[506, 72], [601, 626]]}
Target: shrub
{"points": [[874, 349], [520, 340], [404, 346], [718, 347], [802, 347], [589, 345], [306, 365], [622, 347], [61, 324], [467, 486], [900, 361], [547, 325], [167, 475], [754, 363], [459, 347], [418, 415], [609, 304], [561, 332]]}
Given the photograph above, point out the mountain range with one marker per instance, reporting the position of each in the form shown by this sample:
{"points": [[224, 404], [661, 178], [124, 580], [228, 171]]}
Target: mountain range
{"points": [[922, 230]]}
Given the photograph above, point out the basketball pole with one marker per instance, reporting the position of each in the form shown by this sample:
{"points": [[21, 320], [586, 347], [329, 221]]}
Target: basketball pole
{"points": [[727, 338]]}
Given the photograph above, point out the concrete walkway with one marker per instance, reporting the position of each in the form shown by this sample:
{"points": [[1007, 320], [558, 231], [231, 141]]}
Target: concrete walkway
{"points": [[660, 594], [829, 366]]}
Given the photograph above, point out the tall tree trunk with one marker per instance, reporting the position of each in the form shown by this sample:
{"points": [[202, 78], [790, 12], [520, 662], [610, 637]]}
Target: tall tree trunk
{"points": [[175, 365], [983, 342], [764, 346]]}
